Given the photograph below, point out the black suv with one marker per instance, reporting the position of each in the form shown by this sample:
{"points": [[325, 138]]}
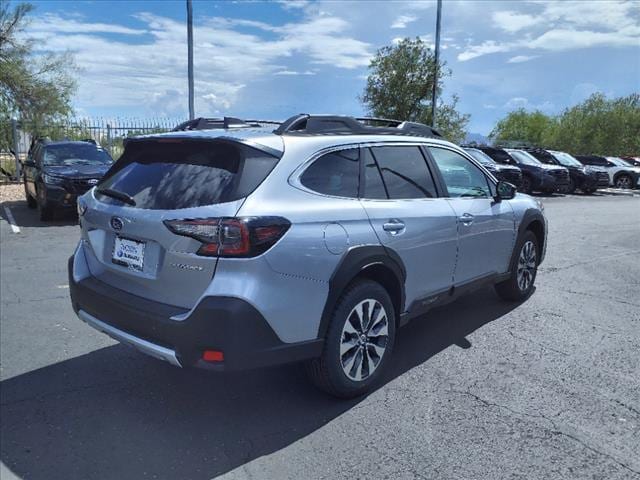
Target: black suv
{"points": [[536, 176], [508, 173], [586, 178], [56, 173]]}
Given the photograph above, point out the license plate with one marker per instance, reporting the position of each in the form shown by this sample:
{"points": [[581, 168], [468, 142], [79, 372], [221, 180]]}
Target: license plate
{"points": [[128, 253]]}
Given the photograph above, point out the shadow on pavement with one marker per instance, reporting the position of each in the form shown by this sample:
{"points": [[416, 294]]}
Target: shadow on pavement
{"points": [[114, 413], [29, 217]]}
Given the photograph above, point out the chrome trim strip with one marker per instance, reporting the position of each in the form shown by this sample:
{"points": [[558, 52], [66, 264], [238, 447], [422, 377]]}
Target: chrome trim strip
{"points": [[143, 346]]}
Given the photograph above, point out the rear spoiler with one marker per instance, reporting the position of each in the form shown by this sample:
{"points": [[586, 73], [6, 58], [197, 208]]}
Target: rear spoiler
{"points": [[190, 138]]}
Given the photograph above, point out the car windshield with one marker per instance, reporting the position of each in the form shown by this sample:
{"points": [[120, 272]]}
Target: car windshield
{"points": [[566, 159], [480, 156], [75, 154], [524, 157], [618, 162]]}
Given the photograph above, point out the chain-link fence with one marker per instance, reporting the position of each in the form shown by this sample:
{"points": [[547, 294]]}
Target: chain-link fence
{"points": [[110, 133]]}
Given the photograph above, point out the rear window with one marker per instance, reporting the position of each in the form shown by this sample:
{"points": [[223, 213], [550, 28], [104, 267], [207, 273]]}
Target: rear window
{"points": [[186, 174]]}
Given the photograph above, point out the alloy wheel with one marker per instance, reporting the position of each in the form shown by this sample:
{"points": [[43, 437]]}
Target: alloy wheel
{"points": [[623, 182], [364, 339], [526, 266]]}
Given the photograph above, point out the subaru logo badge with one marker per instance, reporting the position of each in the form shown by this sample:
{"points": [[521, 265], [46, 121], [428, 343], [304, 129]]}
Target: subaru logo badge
{"points": [[93, 181], [117, 223]]}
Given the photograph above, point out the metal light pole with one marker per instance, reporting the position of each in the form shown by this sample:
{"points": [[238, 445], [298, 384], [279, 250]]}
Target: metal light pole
{"points": [[434, 94], [190, 57]]}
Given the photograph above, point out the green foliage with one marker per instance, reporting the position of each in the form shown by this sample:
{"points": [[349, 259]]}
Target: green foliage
{"points": [[523, 128], [601, 126], [596, 126], [35, 87], [400, 85]]}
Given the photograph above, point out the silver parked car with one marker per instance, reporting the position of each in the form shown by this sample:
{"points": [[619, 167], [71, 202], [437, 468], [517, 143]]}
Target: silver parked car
{"points": [[237, 247]]}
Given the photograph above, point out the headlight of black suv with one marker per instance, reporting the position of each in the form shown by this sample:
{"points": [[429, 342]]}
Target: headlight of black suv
{"points": [[52, 180]]}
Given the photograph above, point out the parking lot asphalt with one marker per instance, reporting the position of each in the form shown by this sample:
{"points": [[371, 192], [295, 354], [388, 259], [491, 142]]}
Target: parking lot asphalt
{"points": [[479, 389]]}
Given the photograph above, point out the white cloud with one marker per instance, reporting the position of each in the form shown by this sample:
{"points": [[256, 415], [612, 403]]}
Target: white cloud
{"points": [[294, 73], [522, 102], [55, 24], [522, 58], [564, 26], [151, 72], [513, 22], [403, 20]]}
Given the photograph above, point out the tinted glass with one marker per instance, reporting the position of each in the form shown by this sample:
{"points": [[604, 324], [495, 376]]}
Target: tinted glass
{"points": [[566, 159], [480, 156], [405, 172], [373, 186], [75, 154], [523, 157], [334, 174], [463, 178], [167, 176]]}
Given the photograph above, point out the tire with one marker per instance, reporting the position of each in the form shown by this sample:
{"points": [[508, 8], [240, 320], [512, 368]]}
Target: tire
{"points": [[519, 285], [31, 202], [623, 181], [526, 185], [46, 212], [347, 367]]}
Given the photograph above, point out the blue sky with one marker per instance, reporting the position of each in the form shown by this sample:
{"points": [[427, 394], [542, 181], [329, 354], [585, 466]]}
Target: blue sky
{"points": [[275, 59]]}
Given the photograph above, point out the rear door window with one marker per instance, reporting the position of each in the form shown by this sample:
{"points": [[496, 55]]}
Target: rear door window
{"points": [[187, 173], [405, 172], [334, 174], [373, 187]]}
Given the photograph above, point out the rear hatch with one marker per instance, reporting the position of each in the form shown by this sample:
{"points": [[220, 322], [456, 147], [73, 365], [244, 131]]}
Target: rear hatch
{"points": [[156, 181]]}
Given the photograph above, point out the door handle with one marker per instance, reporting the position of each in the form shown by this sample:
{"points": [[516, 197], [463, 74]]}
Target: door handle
{"points": [[466, 219], [393, 226]]}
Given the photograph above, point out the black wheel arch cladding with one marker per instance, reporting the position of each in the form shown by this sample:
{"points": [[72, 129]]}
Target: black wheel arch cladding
{"points": [[357, 261]]}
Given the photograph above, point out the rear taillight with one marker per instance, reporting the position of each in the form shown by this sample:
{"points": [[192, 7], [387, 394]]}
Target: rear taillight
{"points": [[231, 237]]}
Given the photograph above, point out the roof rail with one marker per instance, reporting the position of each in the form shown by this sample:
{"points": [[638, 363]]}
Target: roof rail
{"points": [[202, 123], [305, 124]]}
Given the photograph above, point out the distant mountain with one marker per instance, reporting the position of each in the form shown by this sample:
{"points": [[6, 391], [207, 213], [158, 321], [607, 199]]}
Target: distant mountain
{"points": [[476, 138]]}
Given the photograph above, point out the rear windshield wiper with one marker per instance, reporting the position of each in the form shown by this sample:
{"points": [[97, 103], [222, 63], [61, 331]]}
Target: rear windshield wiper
{"points": [[118, 195]]}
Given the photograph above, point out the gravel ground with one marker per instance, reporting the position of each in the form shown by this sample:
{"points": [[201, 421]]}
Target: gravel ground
{"points": [[479, 389], [11, 192]]}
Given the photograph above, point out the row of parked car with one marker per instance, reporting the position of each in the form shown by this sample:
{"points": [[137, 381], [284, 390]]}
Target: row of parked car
{"points": [[57, 172], [549, 171]]}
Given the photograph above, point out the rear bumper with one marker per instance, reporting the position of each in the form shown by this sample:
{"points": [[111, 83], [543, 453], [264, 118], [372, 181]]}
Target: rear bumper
{"points": [[227, 324]]}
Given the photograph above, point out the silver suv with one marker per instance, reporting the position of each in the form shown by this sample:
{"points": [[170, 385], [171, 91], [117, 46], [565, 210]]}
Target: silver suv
{"points": [[237, 247]]}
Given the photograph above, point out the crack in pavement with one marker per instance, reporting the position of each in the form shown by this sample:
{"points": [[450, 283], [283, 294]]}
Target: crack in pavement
{"points": [[554, 431]]}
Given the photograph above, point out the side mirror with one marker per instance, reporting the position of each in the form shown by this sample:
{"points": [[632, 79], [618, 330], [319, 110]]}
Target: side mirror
{"points": [[505, 191]]}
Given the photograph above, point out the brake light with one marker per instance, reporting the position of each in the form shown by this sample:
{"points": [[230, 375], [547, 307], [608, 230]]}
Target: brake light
{"points": [[231, 237]]}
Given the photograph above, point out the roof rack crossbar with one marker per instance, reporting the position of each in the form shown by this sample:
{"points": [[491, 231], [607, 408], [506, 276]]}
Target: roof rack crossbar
{"points": [[203, 123], [345, 125]]}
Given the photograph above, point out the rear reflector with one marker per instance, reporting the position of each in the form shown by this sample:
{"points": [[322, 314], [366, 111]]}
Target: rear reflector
{"points": [[213, 356]]}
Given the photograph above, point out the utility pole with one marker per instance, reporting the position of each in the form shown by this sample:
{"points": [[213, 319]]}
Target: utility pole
{"points": [[434, 94], [190, 57]]}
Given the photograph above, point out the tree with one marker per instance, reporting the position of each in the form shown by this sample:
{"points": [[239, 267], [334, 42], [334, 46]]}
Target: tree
{"points": [[522, 127], [601, 126], [36, 87], [596, 126], [400, 83]]}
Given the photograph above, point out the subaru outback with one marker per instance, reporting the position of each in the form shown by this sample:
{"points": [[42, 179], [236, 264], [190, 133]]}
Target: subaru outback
{"points": [[241, 247]]}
